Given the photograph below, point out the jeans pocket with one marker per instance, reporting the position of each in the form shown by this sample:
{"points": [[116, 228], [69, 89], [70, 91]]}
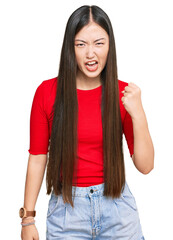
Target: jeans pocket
{"points": [[53, 204], [130, 201], [128, 197], [126, 204]]}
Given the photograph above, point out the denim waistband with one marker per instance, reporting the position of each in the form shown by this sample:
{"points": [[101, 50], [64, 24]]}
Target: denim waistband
{"points": [[94, 189]]}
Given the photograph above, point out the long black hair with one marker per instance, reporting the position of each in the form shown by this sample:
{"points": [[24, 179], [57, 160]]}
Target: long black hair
{"points": [[63, 141]]}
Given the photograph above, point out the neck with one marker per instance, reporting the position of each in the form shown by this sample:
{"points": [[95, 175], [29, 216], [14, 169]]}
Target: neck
{"points": [[86, 83]]}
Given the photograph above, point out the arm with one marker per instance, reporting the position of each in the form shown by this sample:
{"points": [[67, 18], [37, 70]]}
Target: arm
{"points": [[39, 138], [34, 177], [143, 156]]}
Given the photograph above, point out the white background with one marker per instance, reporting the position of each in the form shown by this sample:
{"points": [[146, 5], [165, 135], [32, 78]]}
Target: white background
{"points": [[30, 45]]}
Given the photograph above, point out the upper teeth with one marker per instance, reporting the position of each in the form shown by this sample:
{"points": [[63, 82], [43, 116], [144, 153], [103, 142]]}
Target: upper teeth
{"points": [[91, 62]]}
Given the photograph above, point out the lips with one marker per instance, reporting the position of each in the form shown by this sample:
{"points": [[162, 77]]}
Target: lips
{"points": [[91, 63], [91, 66]]}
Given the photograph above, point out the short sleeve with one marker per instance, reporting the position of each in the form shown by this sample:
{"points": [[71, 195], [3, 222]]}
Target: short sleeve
{"points": [[128, 132], [39, 127]]}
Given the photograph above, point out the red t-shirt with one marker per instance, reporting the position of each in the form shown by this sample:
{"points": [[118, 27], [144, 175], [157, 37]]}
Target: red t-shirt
{"points": [[90, 136]]}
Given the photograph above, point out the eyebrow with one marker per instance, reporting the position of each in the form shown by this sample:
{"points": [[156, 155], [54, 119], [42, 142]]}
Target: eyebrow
{"points": [[94, 41]]}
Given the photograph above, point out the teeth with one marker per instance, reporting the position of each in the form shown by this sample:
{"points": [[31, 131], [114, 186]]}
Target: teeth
{"points": [[90, 63]]}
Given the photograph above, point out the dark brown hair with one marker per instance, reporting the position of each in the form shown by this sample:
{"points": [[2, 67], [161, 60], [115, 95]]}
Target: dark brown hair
{"points": [[63, 141]]}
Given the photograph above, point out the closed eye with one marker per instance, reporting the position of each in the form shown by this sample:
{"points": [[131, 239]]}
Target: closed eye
{"points": [[99, 43], [80, 45]]}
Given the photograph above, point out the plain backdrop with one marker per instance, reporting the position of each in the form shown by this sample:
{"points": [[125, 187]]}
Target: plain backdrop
{"points": [[30, 44]]}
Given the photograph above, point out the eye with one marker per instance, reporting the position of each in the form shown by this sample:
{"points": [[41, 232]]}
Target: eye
{"points": [[80, 44], [99, 43]]}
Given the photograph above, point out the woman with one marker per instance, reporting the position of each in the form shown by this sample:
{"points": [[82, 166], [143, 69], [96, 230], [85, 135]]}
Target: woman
{"points": [[78, 118]]}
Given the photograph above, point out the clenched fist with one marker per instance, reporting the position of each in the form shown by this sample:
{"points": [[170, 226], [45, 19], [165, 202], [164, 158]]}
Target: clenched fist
{"points": [[132, 100]]}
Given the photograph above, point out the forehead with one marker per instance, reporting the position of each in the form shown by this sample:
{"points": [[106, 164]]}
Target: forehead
{"points": [[92, 31]]}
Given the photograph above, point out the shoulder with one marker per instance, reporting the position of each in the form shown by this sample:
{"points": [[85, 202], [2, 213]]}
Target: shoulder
{"points": [[48, 84], [122, 84], [47, 88], [45, 93]]}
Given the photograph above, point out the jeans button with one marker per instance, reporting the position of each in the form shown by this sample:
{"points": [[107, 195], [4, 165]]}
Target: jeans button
{"points": [[91, 191]]}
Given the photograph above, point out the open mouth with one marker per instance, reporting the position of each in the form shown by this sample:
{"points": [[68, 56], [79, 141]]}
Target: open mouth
{"points": [[92, 65]]}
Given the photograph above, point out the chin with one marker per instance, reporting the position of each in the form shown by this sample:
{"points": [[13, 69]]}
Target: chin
{"points": [[92, 75]]}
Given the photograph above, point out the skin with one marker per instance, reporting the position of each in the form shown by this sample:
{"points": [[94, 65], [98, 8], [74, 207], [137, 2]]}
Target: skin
{"points": [[91, 43], [34, 178], [143, 156]]}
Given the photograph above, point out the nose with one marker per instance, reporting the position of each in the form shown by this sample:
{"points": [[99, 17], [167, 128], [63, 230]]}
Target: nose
{"points": [[90, 52]]}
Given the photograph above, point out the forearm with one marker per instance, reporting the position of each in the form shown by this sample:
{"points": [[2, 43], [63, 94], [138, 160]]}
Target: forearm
{"points": [[143, 146], [34, 178]]}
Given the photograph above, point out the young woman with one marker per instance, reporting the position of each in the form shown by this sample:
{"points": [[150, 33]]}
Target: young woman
{"points": [[76, 126]]}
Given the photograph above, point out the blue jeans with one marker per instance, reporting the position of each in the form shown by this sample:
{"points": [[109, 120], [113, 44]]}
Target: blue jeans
{"points": [[94, 216]]}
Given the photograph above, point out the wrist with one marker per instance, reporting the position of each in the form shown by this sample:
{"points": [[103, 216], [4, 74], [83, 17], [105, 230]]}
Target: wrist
{"points": [[140, 116], [23, 212], [27, 219], [27, 224]]}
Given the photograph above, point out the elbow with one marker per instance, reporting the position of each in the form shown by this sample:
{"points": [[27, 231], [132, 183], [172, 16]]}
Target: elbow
{"points": [[147, 170], [145, 166], [148, 165]]}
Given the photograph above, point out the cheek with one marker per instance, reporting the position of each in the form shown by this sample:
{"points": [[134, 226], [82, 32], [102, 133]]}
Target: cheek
{"points": [[78, 57], [104, 58], [103, 55]]}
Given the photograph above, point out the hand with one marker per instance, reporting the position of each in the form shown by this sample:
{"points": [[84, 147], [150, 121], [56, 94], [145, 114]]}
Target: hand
{"points": [[132, 100], [29, 233]]}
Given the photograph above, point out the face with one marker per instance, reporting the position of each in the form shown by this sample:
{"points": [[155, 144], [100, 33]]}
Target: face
{"points": [[91, 50]]}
